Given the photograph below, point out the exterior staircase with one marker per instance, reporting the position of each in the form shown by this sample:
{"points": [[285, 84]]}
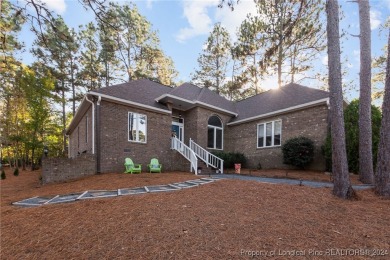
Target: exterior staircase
{"points": [[203, 169], [208, 164]]}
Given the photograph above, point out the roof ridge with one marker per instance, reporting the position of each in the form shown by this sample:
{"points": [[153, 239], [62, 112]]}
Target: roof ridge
{"points": [[201, 93]]}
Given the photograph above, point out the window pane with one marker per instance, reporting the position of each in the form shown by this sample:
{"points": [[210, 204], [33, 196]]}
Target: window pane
{"points": [[210, 137], [215, 121], [137, 127], [218, 145], [277, 132], [141, 128], [132, 134], [268, 139], [260, 136]]}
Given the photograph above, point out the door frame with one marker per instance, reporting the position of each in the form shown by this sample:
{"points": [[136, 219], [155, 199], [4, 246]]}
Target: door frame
{"points": [[181, 127]]}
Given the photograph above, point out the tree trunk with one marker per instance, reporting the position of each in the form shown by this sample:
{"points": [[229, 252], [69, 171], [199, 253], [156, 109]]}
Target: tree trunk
{"points": [[382, 177], [366, 170], [342, 186], [63, 101], [73, 87]]}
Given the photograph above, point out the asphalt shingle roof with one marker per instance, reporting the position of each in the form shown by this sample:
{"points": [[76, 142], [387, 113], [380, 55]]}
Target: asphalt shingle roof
{"points": [[142, 91], [146, 92], [194, 93], [277, 99]]}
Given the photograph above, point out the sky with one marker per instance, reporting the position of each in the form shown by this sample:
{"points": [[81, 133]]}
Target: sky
{"points": [[183, 27]]}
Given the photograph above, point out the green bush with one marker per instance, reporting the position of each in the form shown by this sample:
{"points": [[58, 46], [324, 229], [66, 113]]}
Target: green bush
{"points": [[230, 158], [351, 121], [3, 174], [16, 172], [298, 151]]}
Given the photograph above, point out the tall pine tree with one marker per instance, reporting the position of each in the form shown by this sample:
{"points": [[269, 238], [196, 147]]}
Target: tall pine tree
{"points": [[382, 177], [342, 185], [213, 62]]}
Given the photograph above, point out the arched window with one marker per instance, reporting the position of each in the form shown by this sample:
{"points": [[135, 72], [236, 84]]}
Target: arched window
{"points": [[215, 133]]}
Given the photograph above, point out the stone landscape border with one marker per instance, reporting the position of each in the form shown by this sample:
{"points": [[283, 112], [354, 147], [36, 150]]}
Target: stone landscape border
{"points": [[94, 194]]}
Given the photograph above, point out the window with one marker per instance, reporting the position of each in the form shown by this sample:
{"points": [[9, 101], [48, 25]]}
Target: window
{"points": [[137, 127], [215, 133], [269, 134]]}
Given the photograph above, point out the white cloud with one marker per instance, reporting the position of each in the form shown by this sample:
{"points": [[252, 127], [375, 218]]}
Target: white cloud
{"points": [[324, 60], [375, 18], [149, 4], [200, 23], [203, 14], [231, 20], [356, 58], [57, 6]]}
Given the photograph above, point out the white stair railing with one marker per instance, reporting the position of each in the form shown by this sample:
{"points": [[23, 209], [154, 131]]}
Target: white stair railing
{"points": [[186, 151], [209, 158]]}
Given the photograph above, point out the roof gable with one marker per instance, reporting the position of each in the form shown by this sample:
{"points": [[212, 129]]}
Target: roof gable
{"points": [[203, 96], [141, 91]]}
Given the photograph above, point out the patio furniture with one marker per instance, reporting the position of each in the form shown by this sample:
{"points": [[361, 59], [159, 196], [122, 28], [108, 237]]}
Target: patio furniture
{"points": [[154, 166], [132, 167]]}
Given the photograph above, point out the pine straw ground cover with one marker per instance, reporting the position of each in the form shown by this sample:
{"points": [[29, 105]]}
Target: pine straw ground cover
{"points": [[227, 219], [294, 174]]}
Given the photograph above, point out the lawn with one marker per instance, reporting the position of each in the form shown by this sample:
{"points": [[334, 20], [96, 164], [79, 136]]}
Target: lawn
{"points": [[227, 219]]}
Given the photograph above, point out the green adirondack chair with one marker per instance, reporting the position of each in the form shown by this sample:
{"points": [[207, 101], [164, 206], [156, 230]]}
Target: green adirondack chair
{"points": [[132, 167], [154, 166]]}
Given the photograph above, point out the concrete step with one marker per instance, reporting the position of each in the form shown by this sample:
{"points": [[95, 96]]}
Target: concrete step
{"points": [[206, 170]]}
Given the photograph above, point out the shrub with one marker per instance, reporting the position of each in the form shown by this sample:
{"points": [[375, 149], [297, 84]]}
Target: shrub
{"points": [[231, 158], [351, 121], [16, 172], [3, 174], [298, 151]]}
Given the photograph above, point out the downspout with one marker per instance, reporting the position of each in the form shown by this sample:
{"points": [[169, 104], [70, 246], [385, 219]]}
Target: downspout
{"points": [[98, 152], [68, 136], [93, 123]]}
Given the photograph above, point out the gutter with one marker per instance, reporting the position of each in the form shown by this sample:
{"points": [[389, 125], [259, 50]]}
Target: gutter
{"points": [[124, 101], [98, 154]]}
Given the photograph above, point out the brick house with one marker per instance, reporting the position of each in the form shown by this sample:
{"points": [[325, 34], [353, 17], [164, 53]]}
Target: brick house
{"points": [[138, 119]]}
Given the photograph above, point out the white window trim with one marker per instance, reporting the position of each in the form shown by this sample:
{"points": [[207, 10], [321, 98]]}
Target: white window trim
{"points": [[137, 128], [215, 134], [265, 134]]}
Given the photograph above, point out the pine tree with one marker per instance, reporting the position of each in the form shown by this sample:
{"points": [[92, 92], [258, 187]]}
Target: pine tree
{"points": [[91, 67], [248, 51], [366, 170], [213, 62], [342, 185], [382, 177], [287, 27], [57, 49]]}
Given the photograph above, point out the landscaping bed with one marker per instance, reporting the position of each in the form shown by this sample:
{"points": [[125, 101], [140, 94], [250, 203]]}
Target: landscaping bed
{"points": [[227, 219]]}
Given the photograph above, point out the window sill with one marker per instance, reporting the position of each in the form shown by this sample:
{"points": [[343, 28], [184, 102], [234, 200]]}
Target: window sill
{"points": [[135, 142], [215, 149], [268, 147]]}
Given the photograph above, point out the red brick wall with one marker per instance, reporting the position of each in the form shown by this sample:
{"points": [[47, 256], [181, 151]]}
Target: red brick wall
{"points": [[64, 169], [115, 146], [310, 122]]}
